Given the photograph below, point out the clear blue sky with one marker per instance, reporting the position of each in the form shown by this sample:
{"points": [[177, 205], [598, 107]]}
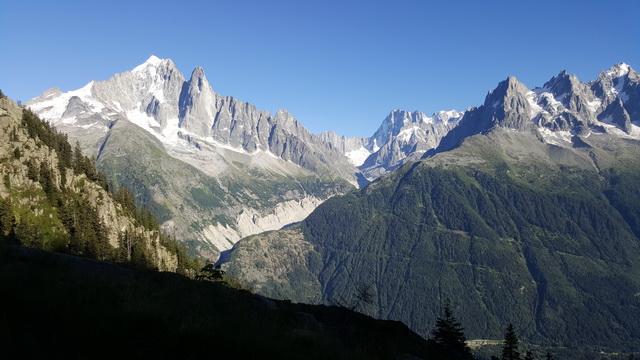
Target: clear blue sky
{"points": [[335, 65]]}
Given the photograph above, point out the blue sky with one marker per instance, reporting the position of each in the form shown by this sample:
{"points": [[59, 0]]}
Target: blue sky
{"points": [[335, 65]]}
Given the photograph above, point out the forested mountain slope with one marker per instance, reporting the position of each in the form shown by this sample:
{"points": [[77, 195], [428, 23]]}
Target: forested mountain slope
{"points": [[514, 222], [52, 197]]}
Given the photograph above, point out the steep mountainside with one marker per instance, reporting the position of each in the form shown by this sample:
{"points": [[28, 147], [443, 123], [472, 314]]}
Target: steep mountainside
{"points": [[526, 213], [213, 168], [52, 198]]}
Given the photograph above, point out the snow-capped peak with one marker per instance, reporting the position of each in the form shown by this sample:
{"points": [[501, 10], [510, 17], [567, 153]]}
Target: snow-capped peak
{"points": [[446, 116], [618, 70], [152, 61]]}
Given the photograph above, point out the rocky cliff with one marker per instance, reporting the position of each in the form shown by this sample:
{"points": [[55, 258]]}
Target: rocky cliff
{"points": [[58, 207]]}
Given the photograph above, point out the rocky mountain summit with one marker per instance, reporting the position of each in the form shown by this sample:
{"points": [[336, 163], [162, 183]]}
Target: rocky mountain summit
{"points": [[563, 110], [403, 136], [156, 97]]}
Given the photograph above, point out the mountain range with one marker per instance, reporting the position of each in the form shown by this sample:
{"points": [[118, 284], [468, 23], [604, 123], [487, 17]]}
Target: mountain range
{"points": [[87, 274], [215, 169], [526, 212]]}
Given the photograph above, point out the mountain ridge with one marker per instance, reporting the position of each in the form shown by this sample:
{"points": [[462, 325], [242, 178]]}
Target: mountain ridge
{"points": [[216, 135], [231, 141], [525, 213], [228, 140]]}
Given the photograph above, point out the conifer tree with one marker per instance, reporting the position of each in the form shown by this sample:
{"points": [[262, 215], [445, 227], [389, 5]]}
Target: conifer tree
{"points": [[78, 159], [7, 221], [28, 234], [46, 180], [510, 347], [449, 335], [32, 171]]}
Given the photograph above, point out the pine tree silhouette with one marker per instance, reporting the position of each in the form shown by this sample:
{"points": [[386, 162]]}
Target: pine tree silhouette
{"points": [[510, 347], [449, 335]]}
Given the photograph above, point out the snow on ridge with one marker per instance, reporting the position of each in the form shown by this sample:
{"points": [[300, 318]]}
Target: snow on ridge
{"points": [[170, 135], [53, 107], [157, 92], [173, 136], [560, 138], [143, 120], [153, 61], [535, 108], [594, 105], [446, 116], [619, 70], [375, 146], [358, 157], [405, 134], [615, 129]]}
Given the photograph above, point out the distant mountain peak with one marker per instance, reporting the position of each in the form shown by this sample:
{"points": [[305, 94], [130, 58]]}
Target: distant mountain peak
{"points": [[152, 62], [199, 79], [505, 89], [153, 59], [619, 70]]}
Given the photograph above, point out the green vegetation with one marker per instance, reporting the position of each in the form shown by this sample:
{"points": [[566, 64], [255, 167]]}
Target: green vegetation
{"points": [[557, 262], [510, 347], [449, 335], [211, 272], [63, 218]]}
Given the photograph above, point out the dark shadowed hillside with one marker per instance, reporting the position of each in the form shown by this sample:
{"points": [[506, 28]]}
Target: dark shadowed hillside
{"points": [[62, 306]]}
